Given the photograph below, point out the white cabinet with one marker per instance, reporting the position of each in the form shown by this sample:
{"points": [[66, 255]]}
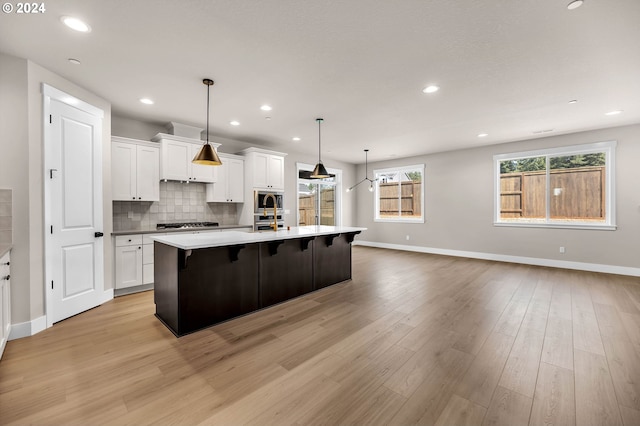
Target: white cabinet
{"points": [[5, 300], [176, 153], [128, 260], [229, 187], [264, 169], [135, 170], [147, 258]]}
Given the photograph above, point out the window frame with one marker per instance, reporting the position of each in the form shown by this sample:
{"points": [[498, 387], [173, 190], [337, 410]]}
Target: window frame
{"points": [[337, 183], [376, 191], [608, 148]]}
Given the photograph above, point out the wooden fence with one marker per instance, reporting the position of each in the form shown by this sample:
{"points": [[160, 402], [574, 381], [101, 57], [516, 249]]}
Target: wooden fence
{"points": [[410, 201], [307, 208], [572, 194]]}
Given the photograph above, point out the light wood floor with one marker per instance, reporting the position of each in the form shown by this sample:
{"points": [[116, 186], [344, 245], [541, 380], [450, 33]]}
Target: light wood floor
{"points": [[413, 338]]}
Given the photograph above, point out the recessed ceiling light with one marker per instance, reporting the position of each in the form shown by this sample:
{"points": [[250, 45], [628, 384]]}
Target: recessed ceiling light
{"points": [[265, 108], [483, 135], [146, 101], [74, 61], [616, 112], [267, 118], [295, 139], [234, 123], [75, 24], [573, 101], [575, 4], [430, 89]]}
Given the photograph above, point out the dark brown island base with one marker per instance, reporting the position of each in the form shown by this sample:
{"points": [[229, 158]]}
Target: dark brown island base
{"points": [[204, 279]]}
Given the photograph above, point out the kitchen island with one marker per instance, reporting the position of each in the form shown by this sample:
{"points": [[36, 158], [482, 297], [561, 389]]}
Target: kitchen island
{"points": [[204, 279]]}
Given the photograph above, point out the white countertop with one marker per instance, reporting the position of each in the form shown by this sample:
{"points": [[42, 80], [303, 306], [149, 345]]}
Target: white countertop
{"points": [[229, 238]]}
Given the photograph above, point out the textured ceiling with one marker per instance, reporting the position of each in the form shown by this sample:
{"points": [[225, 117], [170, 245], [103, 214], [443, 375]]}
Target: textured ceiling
{"points": [[507, 68]]}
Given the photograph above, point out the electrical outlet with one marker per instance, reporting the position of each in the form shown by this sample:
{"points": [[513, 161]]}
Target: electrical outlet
{"points": [[407, 238], [562, 250]]}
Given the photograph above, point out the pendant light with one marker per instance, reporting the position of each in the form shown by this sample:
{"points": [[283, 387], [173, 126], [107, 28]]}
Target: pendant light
{"points": [[366, 173], [319, 172], [207, 156]]}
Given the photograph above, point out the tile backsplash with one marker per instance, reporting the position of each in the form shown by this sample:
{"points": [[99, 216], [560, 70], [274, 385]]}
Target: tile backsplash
{"points": [[179, 202], [6, 223]]}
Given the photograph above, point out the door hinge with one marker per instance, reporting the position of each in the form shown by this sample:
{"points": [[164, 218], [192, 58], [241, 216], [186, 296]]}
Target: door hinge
{"points": [[50, 119], [51, 284]]}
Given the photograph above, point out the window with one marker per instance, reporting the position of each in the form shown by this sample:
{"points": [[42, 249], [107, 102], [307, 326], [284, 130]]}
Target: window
{"points": [[570, 187], [399, 194], [318, 199]]}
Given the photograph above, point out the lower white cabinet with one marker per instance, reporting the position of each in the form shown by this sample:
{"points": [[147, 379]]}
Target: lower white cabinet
{"points": [[128, 261], [5, 300]]}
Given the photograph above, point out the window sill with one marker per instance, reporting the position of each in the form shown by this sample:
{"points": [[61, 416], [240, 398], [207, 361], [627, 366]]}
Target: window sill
{"points": [[557, 226], [399, 220]]}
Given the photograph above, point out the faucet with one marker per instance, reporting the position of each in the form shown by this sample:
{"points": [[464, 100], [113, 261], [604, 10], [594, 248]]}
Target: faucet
{"points": [[275, 211]]}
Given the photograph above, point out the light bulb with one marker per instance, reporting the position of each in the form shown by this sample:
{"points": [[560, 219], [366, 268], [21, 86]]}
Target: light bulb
{"points": [[348, 189], [371, 188]]}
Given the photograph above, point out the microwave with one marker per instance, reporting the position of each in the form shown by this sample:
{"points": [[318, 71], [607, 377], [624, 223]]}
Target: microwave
{"points": [[265, 200]]}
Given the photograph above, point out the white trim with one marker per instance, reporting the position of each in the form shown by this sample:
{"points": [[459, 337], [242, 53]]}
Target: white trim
{"points": [[336, 183], [106, 296], [607, 147], [29, 328], [376, 204], [59, 95], [580, 266]]}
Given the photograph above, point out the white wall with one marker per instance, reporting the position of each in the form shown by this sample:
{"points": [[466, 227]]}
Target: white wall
{"points": [[459, 206], [21, 164]]}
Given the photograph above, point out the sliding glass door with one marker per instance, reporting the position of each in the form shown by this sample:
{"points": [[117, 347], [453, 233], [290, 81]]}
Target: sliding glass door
{"points": [[318, 199]]}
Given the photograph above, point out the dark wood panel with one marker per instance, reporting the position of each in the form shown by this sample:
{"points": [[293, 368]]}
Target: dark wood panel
{"points": [[165, 287], [286, 271], [213, 288], [332, 260]]}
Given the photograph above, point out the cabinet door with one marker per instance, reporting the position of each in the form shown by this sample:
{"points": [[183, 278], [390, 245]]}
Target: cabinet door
{"points": [[200, 173], [128, 266], [176, 160], [123, 171], [217, 192], [5, 301], [276, 172], [261, 170], [148, 173], [235, 180]]}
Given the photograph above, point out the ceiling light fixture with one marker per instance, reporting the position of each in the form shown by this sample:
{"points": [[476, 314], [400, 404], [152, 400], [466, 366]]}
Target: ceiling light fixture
{"points": [[616, 112], [74, 61], [575, 4], [430, 89], [266, 108], [573, 101], [483, 135], [366, 173], [319, 172], [207, 155], [75, 24], [234, 123], [146, 101], [295, 139]]}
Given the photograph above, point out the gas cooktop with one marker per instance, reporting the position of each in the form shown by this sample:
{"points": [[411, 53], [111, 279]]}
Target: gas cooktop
{"points": [[185, 225]]}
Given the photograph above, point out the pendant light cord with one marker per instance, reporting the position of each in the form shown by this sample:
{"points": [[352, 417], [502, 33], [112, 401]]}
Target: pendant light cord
{"points": [[319, 120], [208, 90]]}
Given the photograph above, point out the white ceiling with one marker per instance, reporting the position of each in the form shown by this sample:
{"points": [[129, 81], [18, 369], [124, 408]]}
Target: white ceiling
{"points": [[505, 67]]}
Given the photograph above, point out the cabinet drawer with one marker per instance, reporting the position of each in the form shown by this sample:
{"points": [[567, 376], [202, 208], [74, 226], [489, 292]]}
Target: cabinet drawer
{"points": [[128, 240]]}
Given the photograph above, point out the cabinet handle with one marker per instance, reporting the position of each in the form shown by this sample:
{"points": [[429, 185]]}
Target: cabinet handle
{"points": [[6, 278], [129, 240], [139, 248], [139, 198], [7, 263], [133, 198]]}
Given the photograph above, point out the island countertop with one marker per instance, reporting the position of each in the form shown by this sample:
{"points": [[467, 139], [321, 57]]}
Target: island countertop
{"points": [[229, 238]]}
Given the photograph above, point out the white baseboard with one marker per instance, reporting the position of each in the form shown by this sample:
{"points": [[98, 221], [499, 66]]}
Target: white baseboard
{"points": [[581, 266], [29, 328]]}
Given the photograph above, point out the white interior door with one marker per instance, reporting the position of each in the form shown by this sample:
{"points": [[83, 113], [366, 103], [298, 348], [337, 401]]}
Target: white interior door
{"points": [[73, 203]]}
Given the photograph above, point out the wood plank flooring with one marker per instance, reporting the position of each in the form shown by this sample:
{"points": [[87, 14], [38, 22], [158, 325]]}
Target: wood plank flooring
{"points": [[412, 339]]}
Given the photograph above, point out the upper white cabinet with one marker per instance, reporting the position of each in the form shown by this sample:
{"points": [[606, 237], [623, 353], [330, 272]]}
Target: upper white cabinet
{"points": [[176, 153], [264, 169], [229, 187], [135, 170]]}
